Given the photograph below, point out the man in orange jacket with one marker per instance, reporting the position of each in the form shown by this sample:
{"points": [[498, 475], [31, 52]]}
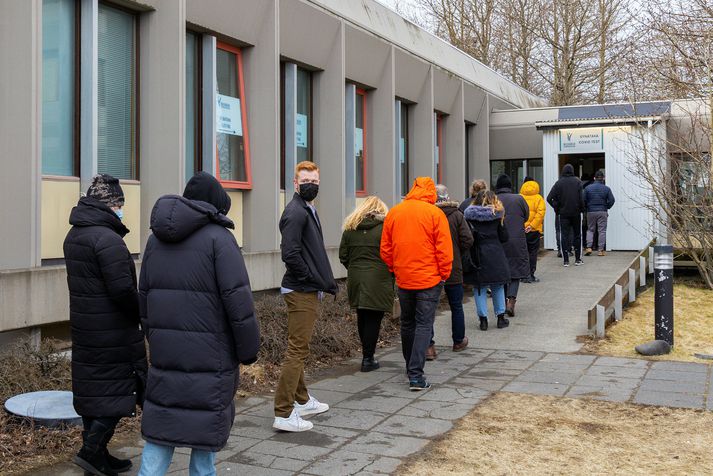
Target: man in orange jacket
{"points": [[416, 246]]}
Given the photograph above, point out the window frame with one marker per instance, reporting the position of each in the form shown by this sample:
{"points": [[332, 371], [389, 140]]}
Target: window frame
{"points": [[198, 104], [439, 147], [365, 156], [236, 184], [405, 127]]}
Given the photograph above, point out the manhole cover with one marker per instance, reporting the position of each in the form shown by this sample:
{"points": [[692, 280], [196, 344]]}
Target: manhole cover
{"points": [[47, 408]]}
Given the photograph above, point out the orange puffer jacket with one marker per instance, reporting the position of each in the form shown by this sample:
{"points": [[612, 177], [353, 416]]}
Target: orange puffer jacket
{"points": [[531, 193], [416, 242]]}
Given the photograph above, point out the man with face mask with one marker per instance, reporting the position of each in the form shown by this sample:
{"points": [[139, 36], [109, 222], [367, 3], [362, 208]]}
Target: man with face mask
{"points": [[307, 278]]}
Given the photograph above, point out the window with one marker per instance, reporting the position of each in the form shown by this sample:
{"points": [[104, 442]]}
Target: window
{"points": [[298, 110], [117, 93], [513, 168], [303, 118], [193, 105], [468, 132], [534, 170], [59, 92], [233, 154], [404, 150], [438, 153], [360, 149]]}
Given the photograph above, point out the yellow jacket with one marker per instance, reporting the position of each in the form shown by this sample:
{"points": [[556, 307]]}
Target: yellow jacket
{"points": [[531, 192]]}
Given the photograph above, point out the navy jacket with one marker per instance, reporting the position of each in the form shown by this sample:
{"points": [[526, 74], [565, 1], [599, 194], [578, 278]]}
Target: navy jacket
{"points": [[303, 252], [598, 197], [197, 311]]}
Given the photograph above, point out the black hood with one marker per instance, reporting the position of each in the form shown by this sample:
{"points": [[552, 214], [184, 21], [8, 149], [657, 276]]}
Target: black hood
{"points": [[370, 221], [205, 188], [91, 212], [504, 182], [175, 218], [568, 170]]}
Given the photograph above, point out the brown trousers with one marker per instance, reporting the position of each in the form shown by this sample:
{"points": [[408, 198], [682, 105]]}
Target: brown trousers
{"points": [[301, 316]]}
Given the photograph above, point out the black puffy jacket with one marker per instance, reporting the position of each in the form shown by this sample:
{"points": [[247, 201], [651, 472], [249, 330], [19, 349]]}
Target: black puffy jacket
{"points": [[197, 311], [566, 195], [489, 232], [108, 353], [303, 252]]}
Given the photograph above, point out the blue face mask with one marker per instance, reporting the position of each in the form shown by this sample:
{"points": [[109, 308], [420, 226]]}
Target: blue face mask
{"points": [[119, 213]]}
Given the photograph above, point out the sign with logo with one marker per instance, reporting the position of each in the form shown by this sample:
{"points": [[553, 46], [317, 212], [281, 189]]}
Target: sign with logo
{"points": [[582, 140], [228, 115], [301, 130]]}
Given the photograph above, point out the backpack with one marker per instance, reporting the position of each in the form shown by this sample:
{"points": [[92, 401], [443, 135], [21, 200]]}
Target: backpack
{"points": [[470, 260]]}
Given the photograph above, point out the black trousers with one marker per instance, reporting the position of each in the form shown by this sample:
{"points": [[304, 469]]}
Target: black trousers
{"points": [[369, 325], [97, 433], [533, 247], [558, 232], [571, 236]]}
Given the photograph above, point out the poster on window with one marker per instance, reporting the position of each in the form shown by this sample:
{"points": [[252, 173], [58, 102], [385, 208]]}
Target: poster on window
{"points": [[358, 141], [402, 150], [228, 115], [301, 130]]}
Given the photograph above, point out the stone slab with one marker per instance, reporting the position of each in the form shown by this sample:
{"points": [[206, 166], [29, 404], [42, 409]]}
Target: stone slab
{"points": [[239, 469], [374, 402], [676, 376], [455, 394], [613, 382], [672, 386], [516, 355], [541, 366], [396, 446], [340, 462], [501, 364], [680, 366], [492, 373], [289, 450], [324, 436], [566, 378], [435, 409], [536, 388], [615, 372], [481, 383], [350, 419], [414, 426], [622, 362], [669, 399], [252, 426], [600, 393], [575, 359]]}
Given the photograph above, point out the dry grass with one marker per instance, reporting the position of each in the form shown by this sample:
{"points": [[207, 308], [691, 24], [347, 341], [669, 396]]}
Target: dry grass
{"points": [[693, 325], [531, 435]]}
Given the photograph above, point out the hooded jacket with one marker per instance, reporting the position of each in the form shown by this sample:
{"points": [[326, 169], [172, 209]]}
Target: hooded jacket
{"points": [[516, 214], [566, 194], [306, 262], [489, 232], [461, 239], [197, 310], [416, 242], [530, 191], [370, 285], [108, 354]]}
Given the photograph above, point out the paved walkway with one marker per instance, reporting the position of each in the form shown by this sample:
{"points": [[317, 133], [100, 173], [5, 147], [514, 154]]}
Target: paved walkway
{"points": [[549, 314]]}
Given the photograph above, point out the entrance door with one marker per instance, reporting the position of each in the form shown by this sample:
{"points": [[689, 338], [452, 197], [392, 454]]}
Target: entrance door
{"points": [[585, 165]]}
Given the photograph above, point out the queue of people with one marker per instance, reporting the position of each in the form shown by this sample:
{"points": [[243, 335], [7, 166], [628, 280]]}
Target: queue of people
{"points": [[193, 301]]}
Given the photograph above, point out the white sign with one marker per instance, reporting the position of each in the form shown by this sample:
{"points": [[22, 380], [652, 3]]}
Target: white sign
{"points": [[228, 115], [358, 141], [581, 140], [301, 130], [402, 150]]}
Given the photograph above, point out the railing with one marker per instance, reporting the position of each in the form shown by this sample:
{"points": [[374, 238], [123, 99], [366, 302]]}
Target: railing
{"points": [[623, 291]]}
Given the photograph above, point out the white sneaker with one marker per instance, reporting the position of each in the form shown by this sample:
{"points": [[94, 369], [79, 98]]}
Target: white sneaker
{"points": [[292, 423], [312, 407]]}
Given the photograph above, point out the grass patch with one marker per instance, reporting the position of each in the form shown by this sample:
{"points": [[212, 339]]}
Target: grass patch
{"points": [[525, 435], [693, 325]]}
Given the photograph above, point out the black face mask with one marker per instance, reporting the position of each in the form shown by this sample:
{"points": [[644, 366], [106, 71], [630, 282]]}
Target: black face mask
{"points": [[309, 191]]}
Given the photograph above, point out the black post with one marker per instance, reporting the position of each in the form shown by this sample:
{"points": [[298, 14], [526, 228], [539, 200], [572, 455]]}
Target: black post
{"points": [[663, 304]]}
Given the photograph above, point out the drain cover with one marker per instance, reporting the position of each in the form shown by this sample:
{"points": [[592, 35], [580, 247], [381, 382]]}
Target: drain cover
{"points": [[49, 408]]}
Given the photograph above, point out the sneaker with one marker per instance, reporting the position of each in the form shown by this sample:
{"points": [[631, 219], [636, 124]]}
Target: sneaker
{"points": [[460, 346], [534, 279], [527, 280], [559, 254], [292, 423], [588, 252], [579, 262], [566, 264], [602, 253], [431, 353], [312, 407], [418, 385]]}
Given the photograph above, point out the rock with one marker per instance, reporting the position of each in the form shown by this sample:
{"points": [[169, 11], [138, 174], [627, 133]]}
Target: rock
{"points": [[47, 408], [655, 347]]}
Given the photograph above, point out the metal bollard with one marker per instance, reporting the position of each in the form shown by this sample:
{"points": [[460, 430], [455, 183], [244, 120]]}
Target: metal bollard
{"points": [[663, 303]]}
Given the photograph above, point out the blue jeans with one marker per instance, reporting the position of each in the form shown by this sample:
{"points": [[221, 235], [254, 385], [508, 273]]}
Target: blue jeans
{"points": [[156, 459], [481, 300], [418, 308]]}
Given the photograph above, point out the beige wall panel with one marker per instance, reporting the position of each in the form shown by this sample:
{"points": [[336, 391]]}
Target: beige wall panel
{"points": [[59, 196], [132, 215], [20, 132], [237, 19], [236, 214], [366, 56], [446, 92], [411, 76], [306, 33]]}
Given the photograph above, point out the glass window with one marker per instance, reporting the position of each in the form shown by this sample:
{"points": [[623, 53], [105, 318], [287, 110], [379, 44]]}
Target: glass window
{"points": [[534, 170], [360, 140], [514, 168], [438, 154], [468, 131], [303, 120], [58, 87], [117, 131], [231, 137], [193, 105], [404, 150]]}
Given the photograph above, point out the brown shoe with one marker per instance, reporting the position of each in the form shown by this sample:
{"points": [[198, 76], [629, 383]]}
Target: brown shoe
{"points": [[602, 253], [510, 307], [431, 353], [461, 346], [588, 252]]}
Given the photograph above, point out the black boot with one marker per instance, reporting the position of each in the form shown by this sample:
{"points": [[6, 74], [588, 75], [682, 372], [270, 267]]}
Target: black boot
{"points": [[117, 464], [502, 322], [483, 323], [369, 363], [92, 457]]}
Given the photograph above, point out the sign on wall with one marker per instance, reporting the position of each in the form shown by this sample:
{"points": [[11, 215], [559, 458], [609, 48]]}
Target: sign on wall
{"points": [[229, 120], [581, 140], [301, 130]]}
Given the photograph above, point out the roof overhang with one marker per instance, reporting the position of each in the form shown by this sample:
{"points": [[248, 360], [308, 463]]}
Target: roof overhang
{"points": [[609, 121]]}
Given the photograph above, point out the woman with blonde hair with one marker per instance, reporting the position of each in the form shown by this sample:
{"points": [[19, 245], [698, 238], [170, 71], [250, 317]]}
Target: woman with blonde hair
{"points": [[370, 285], [489, 265]]}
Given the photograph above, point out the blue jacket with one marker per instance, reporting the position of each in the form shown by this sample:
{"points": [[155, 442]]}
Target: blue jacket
{"points": [[598, 197]]}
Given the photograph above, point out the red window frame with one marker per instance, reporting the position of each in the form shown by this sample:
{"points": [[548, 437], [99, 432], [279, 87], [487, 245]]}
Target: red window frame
{"points": [[235, 184], [439, 144], [363, 192]]}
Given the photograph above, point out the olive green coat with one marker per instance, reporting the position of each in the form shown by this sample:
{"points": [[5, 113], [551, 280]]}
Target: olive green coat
{"points": [[370, 285]]}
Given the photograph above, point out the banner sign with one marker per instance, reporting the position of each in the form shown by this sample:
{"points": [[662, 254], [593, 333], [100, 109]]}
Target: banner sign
{"points": [[581, 140]]}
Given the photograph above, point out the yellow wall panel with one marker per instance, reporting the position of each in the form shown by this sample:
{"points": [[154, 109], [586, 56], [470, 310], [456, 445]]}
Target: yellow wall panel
{"points": [[58, 198], [236, 214]]}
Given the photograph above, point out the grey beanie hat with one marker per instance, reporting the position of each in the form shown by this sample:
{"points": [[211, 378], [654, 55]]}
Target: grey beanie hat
{"points": [[106, 188]]}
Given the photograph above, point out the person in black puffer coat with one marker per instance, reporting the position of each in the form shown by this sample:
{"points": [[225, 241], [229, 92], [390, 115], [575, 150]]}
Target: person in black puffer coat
{"points": [[108, 353], [197, 312], [490, 264], [566, 198]]}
